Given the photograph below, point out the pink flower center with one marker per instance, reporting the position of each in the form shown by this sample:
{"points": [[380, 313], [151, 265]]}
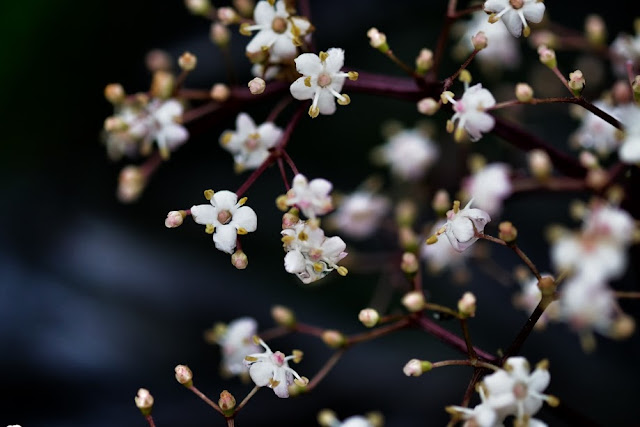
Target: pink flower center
{"points": [[459, 107], [278, 358], [279, 25], [324, 80], [252, 142], [520, 390], [224, 217], [516, 4]]}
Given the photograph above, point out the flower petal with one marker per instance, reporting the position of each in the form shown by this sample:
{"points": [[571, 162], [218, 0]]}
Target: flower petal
{"points": [[283, 48], [335, 60], [224, 200], [174, 135], [265, 37], [513, 23], [245, 124], [204, 214], [261, 372], [264, 13], [533, 11], [269, 134], [246, 218], [308, 64], [301, 91], [326, 102], [225, 238], [168, 112], [294, 262], [495, 6]]}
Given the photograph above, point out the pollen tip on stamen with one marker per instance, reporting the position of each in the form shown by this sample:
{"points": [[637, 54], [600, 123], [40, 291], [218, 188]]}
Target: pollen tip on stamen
{"points": [[242, 231], [302, 382], [256, 339], [208, 194], [526, 31], [297, 356], [553, 401], [242, 201], [441, 230], [226, 138], [353, 75], [314, 112], [450, 126], [493, 18], [432, 240], [456, 206], [287, 239], [273, 383], [244, 29], [307, 81], [297, 41], [446, 96], [345, 100], [250, 359], [318, 267], [543, 364], [323, 56], [342, 271], [460, 134], [209, 229]]}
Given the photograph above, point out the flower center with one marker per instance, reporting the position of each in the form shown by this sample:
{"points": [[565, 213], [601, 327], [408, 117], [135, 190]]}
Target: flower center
{"points": [[459, 107], [279, 25], [224, 217], [520, 391], [278, 358], [324, 80], [252, 142], [516, 4]]}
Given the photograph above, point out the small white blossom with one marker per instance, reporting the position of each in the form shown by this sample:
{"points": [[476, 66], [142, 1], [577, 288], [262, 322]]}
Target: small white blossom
{"points": [[608, 221], [515, 14], [489, 187], [272, 370], [311, 255], [237, 342], [463, 224], [321, 81], [355, 421], [117, 137], [502, 49], [360, 213], [228, 217], [481, 415], [278, 31], [441, 254], [162, 125], [596, 134], [625, 48], [311, 197], [470, 112], [250, 144], [409, 153]]}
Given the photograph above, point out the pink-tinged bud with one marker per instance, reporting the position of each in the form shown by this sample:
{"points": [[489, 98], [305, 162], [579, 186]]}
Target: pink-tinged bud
{"points": [[479, 41], [507, 232], [406, 212], [220, 34], [409, 263], [187, 61], [540, 164], [577, 82], [257, 86], [588, 160], [524, 92], [544, 37], [596, 30], [282, 202], [131, 182], [158, 60], [413, 301], [144, 401], [283, 316], [441, 202], [220, 92], [198, 7], [184, 375], [408, 239], [227, 15], [369, 317], [174, 219], [227, 402], [597, 178], [547, 56], [333, 339], [239, 260], [467, 305], [377, 40], [622, 93], [162, 84], [114, 93], [291, 218], [416, 367], [428, 106], [424, 61], [547, 286], [245, 7]]}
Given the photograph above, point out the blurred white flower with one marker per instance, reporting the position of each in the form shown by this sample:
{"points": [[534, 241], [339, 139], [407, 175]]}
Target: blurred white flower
{"points": [[489, 187], [237, 342], [409, 154], [596, 134], [311, 197], [360, 213], [441, 254], [502, 49], [250, 144], [162, 125]]}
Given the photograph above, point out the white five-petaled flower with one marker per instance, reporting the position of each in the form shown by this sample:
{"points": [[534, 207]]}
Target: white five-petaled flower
{"points": [[470, 112], [502, 49], [272, 370], [463, 225], [236, 342], [441, 255], [489, 187], [359, 214], [311, 197], [321, 81], [310, 254], [162, 125], [250, 144], [278, 31], [515, 14], [409, 153], [226, 217]]}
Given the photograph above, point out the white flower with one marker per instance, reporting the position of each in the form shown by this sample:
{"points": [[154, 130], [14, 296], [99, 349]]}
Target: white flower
{"points": [[311, 255], [278, 31], [489, 187], [272, 370], [312, 198], [355, 421], [360, 213], [250, 144], [228, 217], [608, 221], [502, 49], [463, 224], [515, 14], [161, 124], [409, 154], [630, 149], [481, 415], [515, 391], [117, 137], [625, 48], [236, 343], [321, 81], [586, 303], [470, 112], [441, 254], [596, 134]]}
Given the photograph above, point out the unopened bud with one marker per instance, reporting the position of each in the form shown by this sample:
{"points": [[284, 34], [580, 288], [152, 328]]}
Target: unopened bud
{"points": [[333, 339], [257, 86], [467, 305], [540, 164], [187, 61], [282, 202], [114, 93], [239, 260], [409, 264], [291, 218], [158, 60], [623, 327], [428, 106], [220, 92], [327, 418], [576, 82], [479, 41], [406, 212], [227, 402], [184, 375], [377, 40], [220, 34], [408, 239], [441, 202], [507, 232], [174, 219], [245, 7], [524, 92], [588, 160], [131, 182], [544, 37], [369, 317], [283, 316], [596, 30], [547, 56], [227, 15], [413, 301], [144, 401], [622, 93], [416, 367], [198, 7], [547, 286], [162, 84], [424, 61], [597, 178]]}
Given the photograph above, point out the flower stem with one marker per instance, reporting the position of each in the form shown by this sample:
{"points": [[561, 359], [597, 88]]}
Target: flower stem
{"points": [[280, 106], [517, 343], [562, 78], [467, 339], [308, 329], [450, 80], [278, 331], [246, 399], [329, 364], [473, 363], [633, 295], [516, 249], [149, 419], [205, 398], [283, 174], [378, 332], [441, 309]]}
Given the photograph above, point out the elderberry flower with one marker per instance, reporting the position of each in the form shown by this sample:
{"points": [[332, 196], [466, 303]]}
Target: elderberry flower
{"points": [[311, 197], [623, 49], [162, 125], [409, 153], [311, 255], [236, 342], [359, 214], [470, 112], [515, 14], [272, 370], [481, 415], [321, 81], [226, 217], [250, 144], [441, 254], [502, 49], [279, 33], [463, 224], [489, 186]]}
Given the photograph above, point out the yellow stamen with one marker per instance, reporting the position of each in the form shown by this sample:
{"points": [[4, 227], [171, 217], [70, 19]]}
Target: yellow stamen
{"points": [[456, 206], [244, 29], [432, 240], [242, 201], [318, 267], [303, 236], [287, 239], [353, 75], [242, 231], [273, 383], [342, 271], [527, 31], [543, 364], [314, 112], [208, 194], [450, 126], [493, 18], [250, 359], [323, 56], [209, 228], [226, 138], [256, 339], [302, 382], [465, 76], [307, 81], [297, 356], [346, 99]]}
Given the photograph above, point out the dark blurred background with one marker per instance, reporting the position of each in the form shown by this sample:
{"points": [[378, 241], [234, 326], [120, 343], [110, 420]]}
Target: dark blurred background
{"points": [[98, 298]]}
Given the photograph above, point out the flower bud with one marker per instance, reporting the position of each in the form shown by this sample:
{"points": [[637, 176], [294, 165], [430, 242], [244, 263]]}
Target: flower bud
{"points": [[291, 218], [377, 40], [198, 7], [220, 92], [409, 264], [131, 182], [424, 61], [547, 56], [623, 327], [144, 401], [333, 339], [162, 84], [283, 316], [524, 92], [227, 15], [174, 219], [369, 317], [547, 286], [406, 212], [596, 30], [540, 164], [245, 7], [184, 375], [588, 160], [428, 106], [187, 61], [622, 92], [239, 260], [479, 41], [416, 367], [227, 402], [327, 418], [507, 232], [158, 60], [220, 34], [576, 82], [408, 239], [375, 419], [114, 93], [257, 86], [467, 305], [597, 178], [413, 301]]}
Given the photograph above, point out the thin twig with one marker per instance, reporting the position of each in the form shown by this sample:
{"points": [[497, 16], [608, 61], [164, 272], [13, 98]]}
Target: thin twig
{"points": [[205, 398], [246, 399], [319, 376]]}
